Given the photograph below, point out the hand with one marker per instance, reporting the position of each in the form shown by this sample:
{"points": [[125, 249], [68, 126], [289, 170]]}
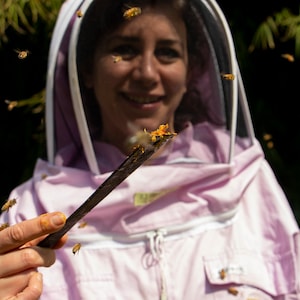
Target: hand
{"points": [[20, 257]]}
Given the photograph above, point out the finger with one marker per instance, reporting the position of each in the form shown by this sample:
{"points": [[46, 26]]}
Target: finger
{"points": [[11, 286], [35, 242], [34, 289], [26, 258], [18, 234]]}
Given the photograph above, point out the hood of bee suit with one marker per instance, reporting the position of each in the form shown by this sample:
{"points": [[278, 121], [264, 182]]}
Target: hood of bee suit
{"points": [[66, 122]]}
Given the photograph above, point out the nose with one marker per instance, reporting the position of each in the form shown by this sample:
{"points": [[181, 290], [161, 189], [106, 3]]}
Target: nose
{"points": [[146, 71]]}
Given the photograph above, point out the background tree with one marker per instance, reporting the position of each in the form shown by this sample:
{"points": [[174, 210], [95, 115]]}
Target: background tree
{"points": [[25, 27]]}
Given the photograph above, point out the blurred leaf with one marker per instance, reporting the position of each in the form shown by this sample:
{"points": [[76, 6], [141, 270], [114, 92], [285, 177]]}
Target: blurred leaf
{"points": [[23, 15], [297, 41], [283, 26], [264, 36], [35, 103]]}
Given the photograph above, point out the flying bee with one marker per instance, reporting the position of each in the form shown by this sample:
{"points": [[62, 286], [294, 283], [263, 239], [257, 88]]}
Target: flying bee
{"points": [[222, 273], [44, 176], [82, 224], [233, 291], [11, 104], [288, 57], [131, 12], [267, 137], [22, 54], [116, 58], [76, 248], [79, 13], [3, 226], [9, 203], [228, 76]]}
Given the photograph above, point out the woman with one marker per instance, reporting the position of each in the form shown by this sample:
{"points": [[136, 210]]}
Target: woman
{"points": [[202, 219]]}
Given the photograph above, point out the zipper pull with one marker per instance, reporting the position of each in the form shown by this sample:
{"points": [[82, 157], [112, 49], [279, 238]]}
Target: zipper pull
{"points": [[156, 239]]}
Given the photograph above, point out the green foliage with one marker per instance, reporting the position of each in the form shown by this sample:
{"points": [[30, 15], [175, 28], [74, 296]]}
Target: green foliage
{"points": [[280, 27], [35, 103], [24, 24], [23, 15]]}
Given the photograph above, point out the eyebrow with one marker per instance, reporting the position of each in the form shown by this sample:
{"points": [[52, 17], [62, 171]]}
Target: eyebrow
{"points": [[132, 39]]}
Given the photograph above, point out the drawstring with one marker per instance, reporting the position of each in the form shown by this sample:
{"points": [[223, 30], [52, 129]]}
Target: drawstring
{"points": [[156, 239]]}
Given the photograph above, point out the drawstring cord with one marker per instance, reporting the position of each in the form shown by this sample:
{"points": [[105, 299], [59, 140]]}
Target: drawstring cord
{"points": [[156, 239]]}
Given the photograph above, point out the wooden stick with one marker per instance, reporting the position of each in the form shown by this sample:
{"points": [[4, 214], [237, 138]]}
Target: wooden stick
{"points": [[130, 164]]}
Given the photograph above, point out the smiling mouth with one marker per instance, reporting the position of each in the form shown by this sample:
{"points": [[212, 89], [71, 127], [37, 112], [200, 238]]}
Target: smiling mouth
{"points": [[142, 99]]}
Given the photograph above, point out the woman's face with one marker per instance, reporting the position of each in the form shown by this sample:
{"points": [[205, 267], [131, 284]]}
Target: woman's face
{"points": [[139, 74]]}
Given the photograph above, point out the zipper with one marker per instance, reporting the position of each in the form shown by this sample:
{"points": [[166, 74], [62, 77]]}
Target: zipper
{"points": [[156, 240], [194, 227]]}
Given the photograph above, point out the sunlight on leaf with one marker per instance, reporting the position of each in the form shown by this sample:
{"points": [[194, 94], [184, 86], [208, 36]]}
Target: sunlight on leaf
{"points": [[280, 28], [23, 15]]}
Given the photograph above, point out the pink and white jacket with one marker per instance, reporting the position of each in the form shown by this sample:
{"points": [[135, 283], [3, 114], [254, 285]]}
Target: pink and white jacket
{"points": [[205, 220]]}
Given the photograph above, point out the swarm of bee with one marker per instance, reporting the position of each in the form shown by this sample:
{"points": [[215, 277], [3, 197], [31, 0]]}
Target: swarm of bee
{"points": [[161, 135], [8, 204], [161, 132], [143, 139], [131, 12]]}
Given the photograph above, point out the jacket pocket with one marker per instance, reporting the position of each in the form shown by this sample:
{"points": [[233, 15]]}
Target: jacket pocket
{"points": [[251, 275]]}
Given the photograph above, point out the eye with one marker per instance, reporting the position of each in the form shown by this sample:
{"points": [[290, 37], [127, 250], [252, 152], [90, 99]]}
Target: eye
{"points": [[167, 54], [127, 52]]}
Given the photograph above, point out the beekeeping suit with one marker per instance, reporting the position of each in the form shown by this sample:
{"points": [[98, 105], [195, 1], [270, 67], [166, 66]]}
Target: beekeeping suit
{"points": [[204, 220]]}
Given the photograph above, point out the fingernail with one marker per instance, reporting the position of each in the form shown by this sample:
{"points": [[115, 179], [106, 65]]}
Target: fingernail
{"points": [[58, 219]]}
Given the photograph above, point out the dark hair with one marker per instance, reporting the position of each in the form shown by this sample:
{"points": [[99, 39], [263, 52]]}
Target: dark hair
{"points": [[105, 16]]}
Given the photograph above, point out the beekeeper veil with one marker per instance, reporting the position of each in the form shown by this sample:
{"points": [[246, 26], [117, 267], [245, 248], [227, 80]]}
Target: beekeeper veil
{"points": [[215, 92]]}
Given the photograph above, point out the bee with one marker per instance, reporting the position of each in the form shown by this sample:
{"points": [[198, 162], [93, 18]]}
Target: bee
{"points": [[117, 58], [44, 176], [288, 57], [222, 273], [79, 13], [76, 248], [9, 203], [82, 224], [233, 291], [228, 76], [22, 54], [268, 138], [3, 226], [11, 104], [131, 12]]}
